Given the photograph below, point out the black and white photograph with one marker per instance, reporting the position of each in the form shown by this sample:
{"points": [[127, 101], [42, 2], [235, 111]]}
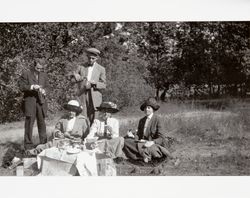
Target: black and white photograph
{"points": [[119, 98], [125, 98]]}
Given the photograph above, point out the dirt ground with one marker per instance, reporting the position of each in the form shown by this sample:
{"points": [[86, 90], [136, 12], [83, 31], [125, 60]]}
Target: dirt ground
{"points": [[209, 153]]}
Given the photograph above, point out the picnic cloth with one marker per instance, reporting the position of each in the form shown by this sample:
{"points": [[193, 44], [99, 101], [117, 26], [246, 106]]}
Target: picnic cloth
{"points": [[61, 161]]}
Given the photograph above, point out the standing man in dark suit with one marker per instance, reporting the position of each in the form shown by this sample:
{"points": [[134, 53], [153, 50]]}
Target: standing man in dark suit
{"points": [[91, 80], [33, 84]]}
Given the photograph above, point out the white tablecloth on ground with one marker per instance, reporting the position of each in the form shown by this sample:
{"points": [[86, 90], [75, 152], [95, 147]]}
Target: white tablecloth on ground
{"points": [[57, 162]]}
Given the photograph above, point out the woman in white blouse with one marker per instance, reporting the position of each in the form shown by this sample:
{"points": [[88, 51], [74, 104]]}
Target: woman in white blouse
{"points": [[106, 130]]}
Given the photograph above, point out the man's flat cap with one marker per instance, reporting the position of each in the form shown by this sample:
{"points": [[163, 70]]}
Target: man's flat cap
{"points": [[93, 51]]}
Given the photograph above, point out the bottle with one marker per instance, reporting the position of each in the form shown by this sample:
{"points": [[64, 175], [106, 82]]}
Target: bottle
{"points": [[19, 171]]}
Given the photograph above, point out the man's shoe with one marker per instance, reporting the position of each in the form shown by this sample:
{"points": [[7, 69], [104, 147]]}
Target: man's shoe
{"points": [[15, 162]]}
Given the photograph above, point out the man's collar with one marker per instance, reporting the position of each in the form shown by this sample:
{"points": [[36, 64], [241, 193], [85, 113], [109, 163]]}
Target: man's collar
{"points": [[92, 65]]}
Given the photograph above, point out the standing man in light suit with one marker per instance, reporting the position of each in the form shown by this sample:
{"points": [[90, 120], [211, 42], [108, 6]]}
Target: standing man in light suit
{"points": [[91, 80]]}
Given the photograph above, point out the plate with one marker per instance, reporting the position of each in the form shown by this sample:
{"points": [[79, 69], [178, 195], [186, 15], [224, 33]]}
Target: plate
{"points": [[141, 141], [73, 150]]}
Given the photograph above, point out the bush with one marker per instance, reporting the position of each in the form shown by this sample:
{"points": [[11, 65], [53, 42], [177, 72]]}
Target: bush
{"points": [[62, 45]]}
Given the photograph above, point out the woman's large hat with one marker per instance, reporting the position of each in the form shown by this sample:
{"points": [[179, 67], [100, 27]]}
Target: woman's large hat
{"points": [[73, 105], [150, 102], [109, 107]]}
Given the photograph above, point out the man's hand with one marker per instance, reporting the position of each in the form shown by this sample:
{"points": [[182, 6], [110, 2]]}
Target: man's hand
{"points": [[36, 87], [42, 91], [87, 85], [92, 83], [149, 143]]}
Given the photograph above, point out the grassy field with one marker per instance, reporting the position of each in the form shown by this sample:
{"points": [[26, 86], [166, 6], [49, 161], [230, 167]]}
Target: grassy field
{"points": [[209, 138]]}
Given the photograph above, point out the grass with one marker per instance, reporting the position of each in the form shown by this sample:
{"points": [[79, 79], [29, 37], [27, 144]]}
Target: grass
{"points": [[208, 141]]}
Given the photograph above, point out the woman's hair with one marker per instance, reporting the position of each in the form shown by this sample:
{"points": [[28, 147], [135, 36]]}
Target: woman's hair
{"points": [[103, 111]]}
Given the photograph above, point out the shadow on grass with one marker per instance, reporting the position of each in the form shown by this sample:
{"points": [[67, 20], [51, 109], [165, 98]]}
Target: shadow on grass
{"points": [[13, 150]]}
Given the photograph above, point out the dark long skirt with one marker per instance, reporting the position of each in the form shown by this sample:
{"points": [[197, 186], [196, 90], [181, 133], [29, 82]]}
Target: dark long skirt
{"points": [[135, 150]]}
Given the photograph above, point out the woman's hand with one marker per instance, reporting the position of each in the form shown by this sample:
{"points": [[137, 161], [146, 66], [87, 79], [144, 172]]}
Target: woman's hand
{"points": [[149, 143], [109, 129], [59, 134], [130, 134], [94, 145]]}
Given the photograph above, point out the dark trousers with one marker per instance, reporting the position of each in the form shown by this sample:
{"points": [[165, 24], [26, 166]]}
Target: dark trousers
{"points": [[29, 123], [88, 106], [91, 113]]}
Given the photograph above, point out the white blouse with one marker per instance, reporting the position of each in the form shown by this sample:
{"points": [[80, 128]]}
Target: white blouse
{"points": [[97, 128]]}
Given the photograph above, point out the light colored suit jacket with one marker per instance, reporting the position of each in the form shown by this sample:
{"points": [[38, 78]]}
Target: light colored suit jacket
{"points": [[98, 76]]}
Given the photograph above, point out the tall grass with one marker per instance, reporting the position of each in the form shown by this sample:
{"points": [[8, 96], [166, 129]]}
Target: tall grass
{"points": [[179, 118], [209, 141]]}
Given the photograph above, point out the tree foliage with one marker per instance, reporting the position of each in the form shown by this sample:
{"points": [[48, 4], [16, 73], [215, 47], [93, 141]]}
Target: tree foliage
{"points": [[139, 57], [63, 45]]}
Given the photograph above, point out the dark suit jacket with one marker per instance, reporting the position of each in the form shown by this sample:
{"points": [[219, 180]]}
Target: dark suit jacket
{"points": [[31, 97], [154, 131]]}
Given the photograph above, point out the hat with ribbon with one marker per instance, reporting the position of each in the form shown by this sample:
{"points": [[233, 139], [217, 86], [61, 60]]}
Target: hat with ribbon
{"points": [[109, 107], [73, 105]]}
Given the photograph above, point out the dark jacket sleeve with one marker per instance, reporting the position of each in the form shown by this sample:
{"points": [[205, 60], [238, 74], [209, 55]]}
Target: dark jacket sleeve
{"points": [[23, 83], [159, 135], [140, 128]]}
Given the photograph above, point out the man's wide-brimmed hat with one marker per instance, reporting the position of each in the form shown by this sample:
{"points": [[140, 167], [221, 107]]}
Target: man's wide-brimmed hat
{"points": [[93, 51], [109, 107], [73, 105], [150, 102]]}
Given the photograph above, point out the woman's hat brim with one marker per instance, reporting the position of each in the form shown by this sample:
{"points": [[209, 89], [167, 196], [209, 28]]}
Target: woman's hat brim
{"points": [[109, 110], [72, 108], [154, 106]]}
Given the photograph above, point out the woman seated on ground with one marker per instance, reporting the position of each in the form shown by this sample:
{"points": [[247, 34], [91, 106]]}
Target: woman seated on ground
{"points": [[150, 141], [72, 126], [105, 130]]}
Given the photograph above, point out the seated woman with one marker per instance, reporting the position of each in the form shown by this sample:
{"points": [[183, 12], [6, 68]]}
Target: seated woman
{"points": [[150, 141], [72, 126], [106, 130]]}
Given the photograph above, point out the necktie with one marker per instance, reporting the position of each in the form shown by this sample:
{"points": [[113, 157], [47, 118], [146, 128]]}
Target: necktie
{"points": [[145, 126], [105, 129], [36, 76]]}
